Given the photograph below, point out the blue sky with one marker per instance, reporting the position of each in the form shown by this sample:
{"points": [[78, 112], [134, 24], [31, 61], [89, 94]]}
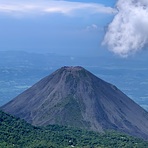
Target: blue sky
{"points": [[63, 27], [74, 27], [105, 2]]}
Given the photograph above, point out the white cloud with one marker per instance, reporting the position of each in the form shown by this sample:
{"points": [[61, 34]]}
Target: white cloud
{"points": [[51, 6], [128, 32], [92, 27]]}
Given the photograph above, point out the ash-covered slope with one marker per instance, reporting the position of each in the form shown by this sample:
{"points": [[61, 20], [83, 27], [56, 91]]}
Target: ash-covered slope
{"points": [[75, 97]]}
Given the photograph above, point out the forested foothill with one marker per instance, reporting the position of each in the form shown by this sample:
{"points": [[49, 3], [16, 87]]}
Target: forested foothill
{"points": [[15, 132]]}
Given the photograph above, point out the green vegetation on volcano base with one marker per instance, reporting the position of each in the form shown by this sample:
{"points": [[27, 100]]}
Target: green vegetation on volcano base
{"points": [[17, 133]]}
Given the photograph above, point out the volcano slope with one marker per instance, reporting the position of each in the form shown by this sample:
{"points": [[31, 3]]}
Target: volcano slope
{"points": [[73, 96]]}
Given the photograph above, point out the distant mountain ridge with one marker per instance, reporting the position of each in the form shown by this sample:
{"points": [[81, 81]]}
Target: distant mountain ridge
{"points": [[75, 97]]}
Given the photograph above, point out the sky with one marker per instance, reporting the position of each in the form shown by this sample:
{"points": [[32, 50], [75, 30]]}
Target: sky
{"points": [[128, 33], [80, 27], [50, 26]]}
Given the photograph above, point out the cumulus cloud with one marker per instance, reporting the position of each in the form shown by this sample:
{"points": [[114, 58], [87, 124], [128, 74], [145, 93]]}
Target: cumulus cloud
{"points": [[128, 32], [51, 6]]}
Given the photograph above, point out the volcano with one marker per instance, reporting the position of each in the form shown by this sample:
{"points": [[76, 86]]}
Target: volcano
{"points": [[73, 96]]}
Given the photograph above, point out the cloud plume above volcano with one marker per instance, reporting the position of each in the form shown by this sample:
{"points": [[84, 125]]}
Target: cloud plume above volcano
{"points": [[128, 32]]}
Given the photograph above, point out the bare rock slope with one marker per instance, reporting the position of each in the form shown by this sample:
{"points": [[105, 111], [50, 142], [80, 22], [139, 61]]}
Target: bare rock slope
{"points": [[75, 97]]}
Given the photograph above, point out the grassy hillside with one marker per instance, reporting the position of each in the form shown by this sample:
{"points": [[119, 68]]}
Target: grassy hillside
{"points": [[16, 133]]}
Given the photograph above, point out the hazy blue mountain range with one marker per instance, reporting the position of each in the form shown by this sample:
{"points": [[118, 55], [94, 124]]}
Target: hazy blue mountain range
{"points": [[20, 70]]}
